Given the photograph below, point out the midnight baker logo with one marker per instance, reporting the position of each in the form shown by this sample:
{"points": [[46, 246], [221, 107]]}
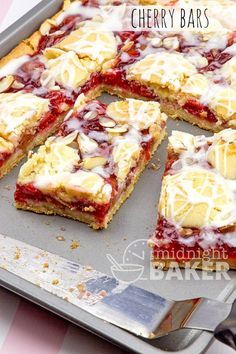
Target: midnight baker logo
{"points": [[136, 265]]}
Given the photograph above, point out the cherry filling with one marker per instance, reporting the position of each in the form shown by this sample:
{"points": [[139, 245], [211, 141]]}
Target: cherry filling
{"points": [[27, 192], [4, 156], [60, 101], [215, 60], [199, 110], [57, 33], [169, 243], [94, 82], [117, 77], [30, 73]]}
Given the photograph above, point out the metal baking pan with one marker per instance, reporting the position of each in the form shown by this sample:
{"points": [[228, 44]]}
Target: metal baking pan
{"points": [[134, 221]]}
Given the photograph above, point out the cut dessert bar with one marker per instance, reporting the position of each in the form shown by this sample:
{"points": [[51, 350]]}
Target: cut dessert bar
{"points": [[26, 120], [90, 167], [197, 208]]}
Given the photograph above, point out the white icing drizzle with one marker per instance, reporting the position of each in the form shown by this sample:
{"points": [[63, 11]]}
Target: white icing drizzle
{"points": [[91, 41], [75, 8], [222, 99], [19, 111], [66, 70]]}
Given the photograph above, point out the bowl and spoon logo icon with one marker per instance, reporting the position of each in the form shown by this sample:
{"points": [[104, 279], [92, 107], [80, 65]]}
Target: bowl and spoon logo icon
{"points": [[136, 256]]}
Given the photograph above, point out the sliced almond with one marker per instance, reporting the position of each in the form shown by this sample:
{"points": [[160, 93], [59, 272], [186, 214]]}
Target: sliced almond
{"points": [[17, 85], [46, 26], [57, 33], [92, 162], [90, 115], [107, 122], [68, 115], [171, 43], [53, 53], [184, 232], [118, 129], [86, 144], [156, 42], [128, 45], [80, 101], [6, 83], [55, 88]]}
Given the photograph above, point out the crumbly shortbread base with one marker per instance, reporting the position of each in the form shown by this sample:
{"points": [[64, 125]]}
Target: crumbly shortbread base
{"points": [[22, 49], [49, 209], [116, 91], [19, 154]]}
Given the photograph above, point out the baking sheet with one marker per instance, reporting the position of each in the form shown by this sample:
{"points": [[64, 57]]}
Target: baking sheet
{"points": [[135, 221]]}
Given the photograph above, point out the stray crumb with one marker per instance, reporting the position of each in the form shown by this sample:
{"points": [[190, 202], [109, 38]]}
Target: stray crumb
{"points": [[89, 209], [103, 293], [8, 187], [60, 238], [30, 154], [186, 232], [81, 287], [55, 282], [125, 238], [88, 268], [46, 265], [17, 254], [74, 245], [155, 166], [71, 290], [63, 229]]}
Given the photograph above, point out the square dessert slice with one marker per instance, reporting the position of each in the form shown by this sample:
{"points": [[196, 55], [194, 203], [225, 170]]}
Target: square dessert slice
{"points": [[90, 167], [197, 208], [26, 120]]}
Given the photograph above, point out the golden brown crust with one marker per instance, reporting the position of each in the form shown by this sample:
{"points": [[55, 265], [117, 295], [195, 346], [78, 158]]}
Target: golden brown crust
{"points": [[29, 45], [116, 91], [180, 113], [22, 49], [48, 209], [34, 39]]}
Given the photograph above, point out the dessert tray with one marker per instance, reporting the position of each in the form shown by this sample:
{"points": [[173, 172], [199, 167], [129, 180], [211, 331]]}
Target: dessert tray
{"points": [[92, 152]]}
